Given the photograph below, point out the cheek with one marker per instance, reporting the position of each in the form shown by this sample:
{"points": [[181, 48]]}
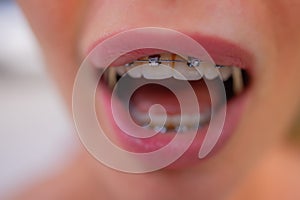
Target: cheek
{"points": [[54, 22], [286, 25]]}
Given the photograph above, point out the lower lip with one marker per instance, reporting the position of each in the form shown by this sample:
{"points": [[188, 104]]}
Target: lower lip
{"points": [[234, 111]]}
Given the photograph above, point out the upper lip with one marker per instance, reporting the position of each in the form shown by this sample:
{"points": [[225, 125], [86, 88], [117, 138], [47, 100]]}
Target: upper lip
{"points": [[222, 51]]}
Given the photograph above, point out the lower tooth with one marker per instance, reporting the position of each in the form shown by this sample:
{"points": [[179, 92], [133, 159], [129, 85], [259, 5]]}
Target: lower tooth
{"points": [[181, 129], [173, 123], [160, 129], [238, 84]]}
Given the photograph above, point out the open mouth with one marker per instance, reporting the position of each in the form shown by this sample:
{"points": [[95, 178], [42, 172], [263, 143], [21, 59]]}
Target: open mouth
{"points": [[146, 72], [173, 69]]}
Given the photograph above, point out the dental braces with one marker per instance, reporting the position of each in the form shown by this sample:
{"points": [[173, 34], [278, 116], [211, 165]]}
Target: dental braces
{"points": [[155, 60]]}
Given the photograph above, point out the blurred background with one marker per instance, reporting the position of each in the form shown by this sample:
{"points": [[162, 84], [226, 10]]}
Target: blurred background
{"points": [[36, 137], [36, 134]]}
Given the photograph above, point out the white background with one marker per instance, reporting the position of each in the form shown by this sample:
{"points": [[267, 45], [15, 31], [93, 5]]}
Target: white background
{"points": [[36, 137]]}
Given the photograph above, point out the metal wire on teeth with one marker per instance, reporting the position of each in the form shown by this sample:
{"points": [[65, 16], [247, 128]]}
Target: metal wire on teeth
{"points": [[155, 60]]}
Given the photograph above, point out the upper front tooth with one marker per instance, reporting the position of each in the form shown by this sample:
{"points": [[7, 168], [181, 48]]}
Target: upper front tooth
{"points": [[157, 72], [225, 72], [162, 67], [210, 71], [183, 72], [134, 71]]}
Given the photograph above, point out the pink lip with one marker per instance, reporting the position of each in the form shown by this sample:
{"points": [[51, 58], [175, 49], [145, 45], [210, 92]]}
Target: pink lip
{"points": [[142, 145], [223, 53]]}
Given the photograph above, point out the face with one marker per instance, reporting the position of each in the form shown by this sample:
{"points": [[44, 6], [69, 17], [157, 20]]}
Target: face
{"points": [[262, 37]]}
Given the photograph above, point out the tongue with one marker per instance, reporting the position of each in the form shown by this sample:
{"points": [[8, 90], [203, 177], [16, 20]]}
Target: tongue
{"points": [[148, 95]]}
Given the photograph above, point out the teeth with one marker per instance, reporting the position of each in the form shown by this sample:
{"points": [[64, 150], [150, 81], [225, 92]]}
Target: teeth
{"points": [[161, 67], [160, 129], [171, 123], [133, 71], [170, 65], [193, 62], [226, 72], [238, 84], [157, 72], [154, 60], [182, 72], [121, 70], [112, 78], [188, 122], [154, 71], [210, 71], [181, 129], [167, 66]]}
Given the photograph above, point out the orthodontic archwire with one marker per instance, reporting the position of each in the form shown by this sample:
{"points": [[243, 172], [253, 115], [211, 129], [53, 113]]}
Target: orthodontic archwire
{"points": [[155, 60]]}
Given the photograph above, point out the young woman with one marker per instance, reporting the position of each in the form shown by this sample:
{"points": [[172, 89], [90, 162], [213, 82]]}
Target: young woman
{"points": [[257, 40]]}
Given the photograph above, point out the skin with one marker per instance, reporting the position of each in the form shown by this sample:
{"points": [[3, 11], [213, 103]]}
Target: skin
{"points": [[270, 30]]}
